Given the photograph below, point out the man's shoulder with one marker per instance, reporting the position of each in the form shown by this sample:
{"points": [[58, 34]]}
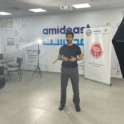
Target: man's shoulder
{"points": [[63, 46], [75, 45]]}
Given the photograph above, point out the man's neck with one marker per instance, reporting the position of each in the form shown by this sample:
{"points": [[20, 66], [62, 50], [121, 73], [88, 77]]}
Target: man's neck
{"points": [[70, 44]]}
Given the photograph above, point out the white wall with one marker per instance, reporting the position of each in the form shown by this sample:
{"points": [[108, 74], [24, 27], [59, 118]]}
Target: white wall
{"points": [[22, 32]]}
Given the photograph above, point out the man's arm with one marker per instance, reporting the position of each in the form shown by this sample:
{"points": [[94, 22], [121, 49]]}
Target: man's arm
{"points": [[80, 57], [60, 57], [73, 59]]}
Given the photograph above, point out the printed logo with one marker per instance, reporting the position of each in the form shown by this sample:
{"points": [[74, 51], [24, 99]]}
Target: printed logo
{"points": [[88, 32], [105, 30], [96, 50], [97, 32], [64, 29]]}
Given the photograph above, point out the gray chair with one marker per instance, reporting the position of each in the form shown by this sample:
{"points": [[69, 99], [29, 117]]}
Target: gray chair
{"points": [[16, 64], [15, 69], [1, 56], [1, 69], [2, 81]]}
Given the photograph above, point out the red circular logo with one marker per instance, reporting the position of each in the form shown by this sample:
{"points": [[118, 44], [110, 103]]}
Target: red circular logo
{"points": [[96, 50]]}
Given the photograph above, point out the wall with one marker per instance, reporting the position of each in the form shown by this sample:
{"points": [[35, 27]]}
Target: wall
{"points": [[20, 36]]}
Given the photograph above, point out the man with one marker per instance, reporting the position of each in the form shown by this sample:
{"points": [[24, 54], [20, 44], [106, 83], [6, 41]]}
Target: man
{"points": [[68, 53]]}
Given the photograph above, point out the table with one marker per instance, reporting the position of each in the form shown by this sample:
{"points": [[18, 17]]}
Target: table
{"points": [[6, 60]]}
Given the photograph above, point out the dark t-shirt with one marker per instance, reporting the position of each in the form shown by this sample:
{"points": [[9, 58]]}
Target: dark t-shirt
{"points": [[68, 51]]}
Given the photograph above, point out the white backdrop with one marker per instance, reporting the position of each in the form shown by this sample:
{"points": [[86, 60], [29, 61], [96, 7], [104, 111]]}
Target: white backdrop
{"points": [[18, 36]]}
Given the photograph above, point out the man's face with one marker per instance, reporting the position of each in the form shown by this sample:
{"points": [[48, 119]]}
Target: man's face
{"points": [[69, 39]]}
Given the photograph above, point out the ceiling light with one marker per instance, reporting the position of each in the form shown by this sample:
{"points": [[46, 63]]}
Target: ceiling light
{"points": [[37, 10], [5, 13], [78, 6]]}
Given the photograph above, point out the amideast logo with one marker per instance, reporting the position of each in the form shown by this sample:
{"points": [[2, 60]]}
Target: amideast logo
{"points": [[64, 29]]}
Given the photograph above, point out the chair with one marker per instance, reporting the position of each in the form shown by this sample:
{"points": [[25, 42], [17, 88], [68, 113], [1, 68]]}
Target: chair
{"points": [[1, 69], [2, 81], [15, 69], [1, 56], [16, 64]]}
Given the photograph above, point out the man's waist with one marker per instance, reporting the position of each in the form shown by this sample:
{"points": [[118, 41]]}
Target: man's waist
{"points": [[69, 67]]}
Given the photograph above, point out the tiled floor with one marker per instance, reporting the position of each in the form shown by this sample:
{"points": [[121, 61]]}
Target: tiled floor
{"points": [[35, 101]]}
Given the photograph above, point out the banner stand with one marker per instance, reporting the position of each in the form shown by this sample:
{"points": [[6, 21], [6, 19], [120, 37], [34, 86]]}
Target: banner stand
{"points": [[99, 82], [97, 50]]}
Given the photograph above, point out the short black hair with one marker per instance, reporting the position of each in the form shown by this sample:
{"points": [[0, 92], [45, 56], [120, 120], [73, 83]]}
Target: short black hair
{"points": [[69, 33]]}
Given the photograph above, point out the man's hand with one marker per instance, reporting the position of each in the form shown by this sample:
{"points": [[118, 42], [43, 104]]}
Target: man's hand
{"points": [[73, 59], [65, 59]]}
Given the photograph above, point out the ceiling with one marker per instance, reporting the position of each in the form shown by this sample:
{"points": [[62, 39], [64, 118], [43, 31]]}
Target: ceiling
{"points": [[20, 7]]}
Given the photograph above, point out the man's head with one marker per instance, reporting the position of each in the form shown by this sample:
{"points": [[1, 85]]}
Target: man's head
{"points": [[69, 37]]}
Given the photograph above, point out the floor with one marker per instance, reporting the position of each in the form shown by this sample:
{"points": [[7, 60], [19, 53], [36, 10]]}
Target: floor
{"points": [[35, 101]]}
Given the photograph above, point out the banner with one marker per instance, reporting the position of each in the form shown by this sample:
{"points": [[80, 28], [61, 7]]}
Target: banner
{"points": [[97, 50]]}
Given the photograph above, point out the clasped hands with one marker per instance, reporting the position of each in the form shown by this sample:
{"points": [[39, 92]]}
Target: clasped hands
{"points": [[72, 59]]}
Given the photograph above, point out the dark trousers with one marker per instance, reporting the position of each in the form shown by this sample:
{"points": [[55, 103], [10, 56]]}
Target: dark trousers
{"points": [[71, 73], [118, 42]]}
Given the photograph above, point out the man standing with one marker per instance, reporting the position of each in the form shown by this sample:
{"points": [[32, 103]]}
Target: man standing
{"points": [[68, 53]]}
